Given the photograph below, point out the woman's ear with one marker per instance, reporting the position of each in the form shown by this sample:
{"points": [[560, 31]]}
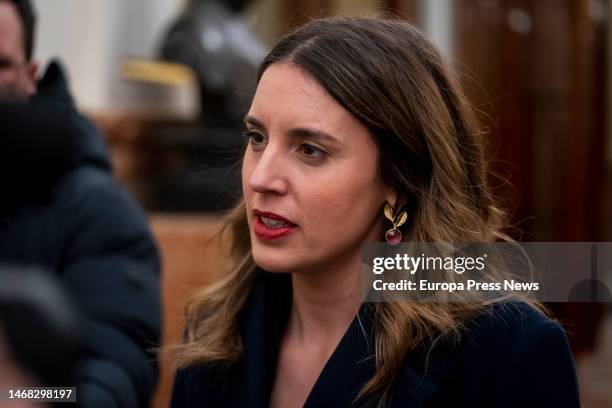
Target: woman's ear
{"points": [[391, 197]]}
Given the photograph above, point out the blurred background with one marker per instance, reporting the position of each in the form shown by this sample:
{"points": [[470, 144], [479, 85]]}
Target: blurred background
{"points": [[537, 71]]}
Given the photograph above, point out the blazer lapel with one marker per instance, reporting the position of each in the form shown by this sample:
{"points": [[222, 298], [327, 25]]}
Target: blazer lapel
{"points": [[350, 366], [353, 364], [412, 388]]}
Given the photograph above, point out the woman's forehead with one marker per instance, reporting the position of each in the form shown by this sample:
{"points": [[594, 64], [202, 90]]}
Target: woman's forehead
{"points": [[288, 96]]}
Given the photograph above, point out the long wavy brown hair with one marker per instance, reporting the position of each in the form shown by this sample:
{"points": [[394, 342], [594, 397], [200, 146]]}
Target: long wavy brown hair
{"points": [[390, 77]]}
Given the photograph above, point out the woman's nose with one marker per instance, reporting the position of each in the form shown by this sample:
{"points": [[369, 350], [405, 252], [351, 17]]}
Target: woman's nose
{"points": [[269, 172]]}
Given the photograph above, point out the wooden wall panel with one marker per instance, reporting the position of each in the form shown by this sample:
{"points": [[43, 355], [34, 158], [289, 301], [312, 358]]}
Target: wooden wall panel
{"points": [[542, 66], [298, 12], [540, 75], [405, 8], [191, 259]]}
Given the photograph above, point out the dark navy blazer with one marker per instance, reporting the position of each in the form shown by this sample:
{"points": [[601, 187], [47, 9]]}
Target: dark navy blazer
{"points": [[512, 357]]}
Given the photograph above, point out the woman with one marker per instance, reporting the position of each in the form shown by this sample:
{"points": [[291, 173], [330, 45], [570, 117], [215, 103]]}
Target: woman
{"points": [[349, 116]]}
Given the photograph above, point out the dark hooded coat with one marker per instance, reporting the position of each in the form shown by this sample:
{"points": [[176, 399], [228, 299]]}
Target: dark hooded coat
{"points": [[62, 211]]}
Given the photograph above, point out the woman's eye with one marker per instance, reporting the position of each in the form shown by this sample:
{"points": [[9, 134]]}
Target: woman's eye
{"points": [[255, 138], [312, 151]]}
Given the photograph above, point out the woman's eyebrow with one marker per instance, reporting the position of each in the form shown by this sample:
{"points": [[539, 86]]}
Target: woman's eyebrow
{"points": [[301, 133], [252, 120], [318, 135]]}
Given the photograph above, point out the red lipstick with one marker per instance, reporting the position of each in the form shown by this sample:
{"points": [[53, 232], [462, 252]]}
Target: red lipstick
{"points": [[269, 226]]}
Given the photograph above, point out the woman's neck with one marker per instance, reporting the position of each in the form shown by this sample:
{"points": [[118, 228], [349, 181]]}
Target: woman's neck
{"points": [[324, 303]]}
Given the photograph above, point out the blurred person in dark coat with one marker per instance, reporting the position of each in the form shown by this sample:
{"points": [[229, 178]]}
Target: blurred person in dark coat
{"points": [[62, 210]]}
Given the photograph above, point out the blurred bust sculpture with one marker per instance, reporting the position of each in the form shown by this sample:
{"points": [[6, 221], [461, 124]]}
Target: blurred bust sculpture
{"points": [[213, 40]]}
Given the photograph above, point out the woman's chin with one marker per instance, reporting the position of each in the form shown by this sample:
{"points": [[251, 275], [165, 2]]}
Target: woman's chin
{"points": [[282, 261], [270, 264]]}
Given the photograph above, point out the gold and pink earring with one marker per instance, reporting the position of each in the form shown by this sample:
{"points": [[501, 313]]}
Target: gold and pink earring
{"points": [[394, 236]]}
